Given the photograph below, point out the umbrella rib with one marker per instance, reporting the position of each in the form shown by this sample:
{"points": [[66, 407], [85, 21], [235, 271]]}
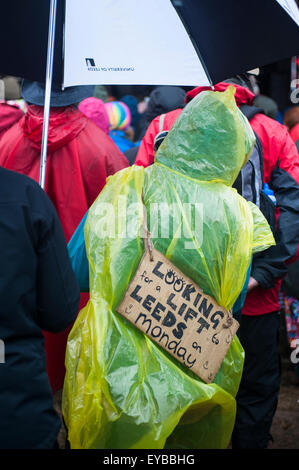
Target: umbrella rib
{"points": [[193, 42]]}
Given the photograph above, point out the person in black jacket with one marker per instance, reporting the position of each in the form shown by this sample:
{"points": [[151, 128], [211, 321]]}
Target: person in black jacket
{"points": [[38, 291], [161, 100]]}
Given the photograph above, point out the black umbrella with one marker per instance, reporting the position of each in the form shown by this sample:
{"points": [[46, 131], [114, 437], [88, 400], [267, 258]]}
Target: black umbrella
{"points": [[230, 36]]}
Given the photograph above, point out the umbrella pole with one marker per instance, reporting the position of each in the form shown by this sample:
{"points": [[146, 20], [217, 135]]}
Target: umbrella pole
{"points": [[48, 88]]}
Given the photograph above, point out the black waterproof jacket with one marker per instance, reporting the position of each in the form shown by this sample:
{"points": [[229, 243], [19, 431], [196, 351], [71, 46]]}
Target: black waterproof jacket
{"points": [[38, 291], [161, 100]]}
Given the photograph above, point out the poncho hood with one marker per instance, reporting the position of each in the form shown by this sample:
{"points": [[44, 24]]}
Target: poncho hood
{"points": [[64, 125], [211, 139]]}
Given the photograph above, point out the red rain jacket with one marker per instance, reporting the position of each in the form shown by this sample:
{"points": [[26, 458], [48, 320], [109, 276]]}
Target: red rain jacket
{"points": [[281, 172], [80, 157]]}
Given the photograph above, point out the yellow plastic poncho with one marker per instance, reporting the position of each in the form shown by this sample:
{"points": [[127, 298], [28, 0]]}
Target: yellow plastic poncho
{"points": [[121, 389]]}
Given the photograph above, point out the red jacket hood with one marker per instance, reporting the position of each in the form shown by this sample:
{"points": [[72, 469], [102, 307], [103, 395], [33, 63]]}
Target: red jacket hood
{"points": [[64, 125], [242, 95]]}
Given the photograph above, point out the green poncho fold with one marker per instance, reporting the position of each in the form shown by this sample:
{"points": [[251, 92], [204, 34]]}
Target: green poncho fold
{"points": [[122, 390]]}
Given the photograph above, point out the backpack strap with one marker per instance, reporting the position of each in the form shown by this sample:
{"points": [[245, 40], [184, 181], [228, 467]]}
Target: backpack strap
{"points": [[250, 181], [161, 134], [259, 146], [2, 90], [161, 122]]}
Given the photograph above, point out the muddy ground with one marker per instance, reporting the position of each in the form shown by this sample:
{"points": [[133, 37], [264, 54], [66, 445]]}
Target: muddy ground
{"points": [[285, 428]]}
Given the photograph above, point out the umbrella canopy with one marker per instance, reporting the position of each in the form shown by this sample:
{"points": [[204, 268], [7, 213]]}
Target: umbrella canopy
{"points": [[161, 42], [178, 42]]}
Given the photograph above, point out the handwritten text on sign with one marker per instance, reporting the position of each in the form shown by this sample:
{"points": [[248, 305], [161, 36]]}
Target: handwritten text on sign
{"points": [[174, 312]]}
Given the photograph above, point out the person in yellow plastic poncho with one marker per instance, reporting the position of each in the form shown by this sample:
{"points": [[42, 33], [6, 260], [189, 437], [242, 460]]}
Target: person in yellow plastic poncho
{"points": [[121, 389]]}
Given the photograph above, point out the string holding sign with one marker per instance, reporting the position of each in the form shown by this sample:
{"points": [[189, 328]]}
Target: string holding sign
{"points": [[146, 233], [175, 313]]}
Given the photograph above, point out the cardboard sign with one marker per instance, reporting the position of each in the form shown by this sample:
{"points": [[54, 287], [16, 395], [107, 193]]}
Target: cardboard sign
{"points": [[175, 313]]}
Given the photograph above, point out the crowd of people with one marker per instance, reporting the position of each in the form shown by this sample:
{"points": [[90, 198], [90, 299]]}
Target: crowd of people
{"points": [[94, 133]]}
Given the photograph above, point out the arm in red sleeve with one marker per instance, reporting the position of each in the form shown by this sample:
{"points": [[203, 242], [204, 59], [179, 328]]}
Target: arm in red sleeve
{"points": [[145, 155]]}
